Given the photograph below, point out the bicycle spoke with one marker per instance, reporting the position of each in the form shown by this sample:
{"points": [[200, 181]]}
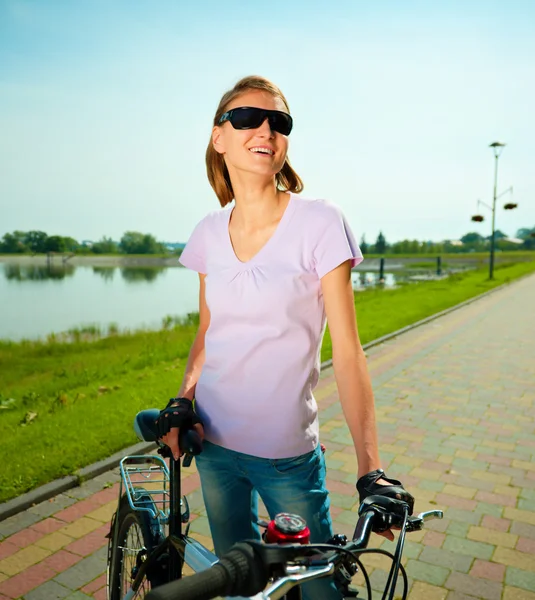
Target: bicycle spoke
{"points": [[129, 552]]}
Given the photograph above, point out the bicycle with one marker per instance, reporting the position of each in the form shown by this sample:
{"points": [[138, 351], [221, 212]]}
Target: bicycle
{"points": [[253, 570]]}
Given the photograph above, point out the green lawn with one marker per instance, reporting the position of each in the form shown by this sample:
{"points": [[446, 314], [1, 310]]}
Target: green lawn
{"points": [[66, 405]]}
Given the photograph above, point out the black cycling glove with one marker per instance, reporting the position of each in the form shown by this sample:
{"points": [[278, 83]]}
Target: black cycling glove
{"points": [[367, 486], [181, 415]]}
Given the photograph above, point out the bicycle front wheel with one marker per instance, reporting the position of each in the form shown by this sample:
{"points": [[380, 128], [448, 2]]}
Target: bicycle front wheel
{"points": [[132, 539]]}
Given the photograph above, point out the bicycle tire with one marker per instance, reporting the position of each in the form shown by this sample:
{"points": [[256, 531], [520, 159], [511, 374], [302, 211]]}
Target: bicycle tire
{"points": [[138, 534]]}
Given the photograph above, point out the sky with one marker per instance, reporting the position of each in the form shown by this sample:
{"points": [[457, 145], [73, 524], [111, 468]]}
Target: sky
{"points": [[106, 109]]}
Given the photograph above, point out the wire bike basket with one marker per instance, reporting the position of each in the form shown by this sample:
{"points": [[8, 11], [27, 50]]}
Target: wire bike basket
{"points": [[146, 483]]}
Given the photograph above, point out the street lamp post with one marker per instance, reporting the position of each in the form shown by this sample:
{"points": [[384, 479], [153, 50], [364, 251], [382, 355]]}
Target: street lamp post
{"points": [[497, 148]]}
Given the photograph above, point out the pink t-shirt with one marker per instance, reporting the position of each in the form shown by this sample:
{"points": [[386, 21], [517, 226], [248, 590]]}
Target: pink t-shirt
{"points": [[267, 319]]}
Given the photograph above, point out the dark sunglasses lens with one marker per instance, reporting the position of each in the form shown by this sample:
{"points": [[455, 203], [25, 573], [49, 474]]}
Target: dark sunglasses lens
{"points": [[247, 118], [280, 122]]}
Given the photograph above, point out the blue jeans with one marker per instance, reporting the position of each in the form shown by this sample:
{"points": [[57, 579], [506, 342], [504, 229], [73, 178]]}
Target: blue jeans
{"points": [[232, 482]]}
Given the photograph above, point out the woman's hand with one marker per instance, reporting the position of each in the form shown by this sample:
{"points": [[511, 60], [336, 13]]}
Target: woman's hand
{"points": [[376, 483], [171, 439], [178, 413]]}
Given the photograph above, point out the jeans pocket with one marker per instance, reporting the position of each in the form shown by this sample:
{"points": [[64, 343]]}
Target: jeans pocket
{"points": [[296, 464]]}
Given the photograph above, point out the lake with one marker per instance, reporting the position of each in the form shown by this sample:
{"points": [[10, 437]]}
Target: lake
{"points": [[39, 299]]}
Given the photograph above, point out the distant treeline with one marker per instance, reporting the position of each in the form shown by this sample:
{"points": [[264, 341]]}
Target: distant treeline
{"points": [[470, 242], [36, 242], [134, 242]]}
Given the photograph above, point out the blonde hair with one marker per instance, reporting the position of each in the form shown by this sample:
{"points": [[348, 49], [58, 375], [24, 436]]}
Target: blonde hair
{"points": [[287, 180]]}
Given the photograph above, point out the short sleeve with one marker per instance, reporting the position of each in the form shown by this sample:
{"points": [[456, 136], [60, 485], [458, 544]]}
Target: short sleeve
{"points": [[336, 243], [194, 254]]}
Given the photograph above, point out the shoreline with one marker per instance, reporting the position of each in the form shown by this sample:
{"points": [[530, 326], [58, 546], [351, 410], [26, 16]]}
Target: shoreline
{"points": [[90, 261]]}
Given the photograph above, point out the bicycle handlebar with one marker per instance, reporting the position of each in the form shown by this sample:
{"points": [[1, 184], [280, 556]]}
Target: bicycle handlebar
{"points": [[240, 572], [246, 568]]}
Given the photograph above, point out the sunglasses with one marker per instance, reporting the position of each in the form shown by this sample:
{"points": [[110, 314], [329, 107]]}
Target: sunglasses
{"points": [[247, 117]]}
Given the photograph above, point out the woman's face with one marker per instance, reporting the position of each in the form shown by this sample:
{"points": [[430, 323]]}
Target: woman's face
{"points": [[237, 145]]}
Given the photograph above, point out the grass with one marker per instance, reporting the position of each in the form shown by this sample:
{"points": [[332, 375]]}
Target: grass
{"points": [[69, 401]]}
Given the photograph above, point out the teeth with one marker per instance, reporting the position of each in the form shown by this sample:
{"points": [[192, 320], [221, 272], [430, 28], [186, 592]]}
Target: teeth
{"points": [[263, 150]]}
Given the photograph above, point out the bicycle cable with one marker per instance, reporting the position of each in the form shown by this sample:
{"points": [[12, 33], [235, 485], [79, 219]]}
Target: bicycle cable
{"points": [[353, 554], [392, 580]]}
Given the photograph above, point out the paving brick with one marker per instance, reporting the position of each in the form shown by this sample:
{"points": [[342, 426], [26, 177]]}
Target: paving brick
{"points": [[444, 558], [521, 464], [459, 596], [80, 527], [49, 507], [523, 530], [490, 522], [59, 561], [459, 490], [77, 510], [513, 558], [48, 525], [95, 585], [107, 495], [513, 593], [54, 541], [519, 515], [7, 549], [455, 501], [24, 582], [494, 510], [468, 547], [78, 595], [50, 590], [84, 571], [24, 538], [526, 545], [487, 570], [103, 513], [434, 538], [424, 591], [507, 490], [500, 499], [480, 588], [429, 573], [425, 474], [90, 542], [464, 516], [22, 560], [17, 523], [495, 478], [520, 579], [489, 536]]}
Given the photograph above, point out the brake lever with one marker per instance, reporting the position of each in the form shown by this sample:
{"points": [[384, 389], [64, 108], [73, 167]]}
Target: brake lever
{"points": [[416, 523]]}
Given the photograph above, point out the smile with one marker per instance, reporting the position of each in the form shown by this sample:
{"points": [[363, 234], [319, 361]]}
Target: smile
{"points": [[262, 150]]}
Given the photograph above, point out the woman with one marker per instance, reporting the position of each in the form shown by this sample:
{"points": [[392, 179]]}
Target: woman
{"points": [[272, 268]]}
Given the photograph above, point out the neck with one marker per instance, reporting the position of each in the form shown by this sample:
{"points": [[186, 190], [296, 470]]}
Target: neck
{"points": [[256, 204]]}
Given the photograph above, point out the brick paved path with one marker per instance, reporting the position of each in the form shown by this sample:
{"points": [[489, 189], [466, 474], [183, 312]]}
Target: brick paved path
{"points": [[456, 409]]}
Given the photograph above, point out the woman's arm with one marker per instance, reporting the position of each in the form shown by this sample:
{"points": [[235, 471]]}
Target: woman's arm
{"points": [[196, 354], [350, 367], [193, 367]]}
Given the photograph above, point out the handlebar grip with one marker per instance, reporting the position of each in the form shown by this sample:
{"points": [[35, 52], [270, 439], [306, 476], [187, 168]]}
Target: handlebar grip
{"points": [[240, 572], [202, 586], [190, 441]]}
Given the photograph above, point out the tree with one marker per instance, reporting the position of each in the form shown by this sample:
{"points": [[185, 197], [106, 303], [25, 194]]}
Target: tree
{"points": [[105, 246], [134, 242], [472, 238], [380, 244], [498, 235], [363, 245], [13, 243], [36, 241], [55, 243]]}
